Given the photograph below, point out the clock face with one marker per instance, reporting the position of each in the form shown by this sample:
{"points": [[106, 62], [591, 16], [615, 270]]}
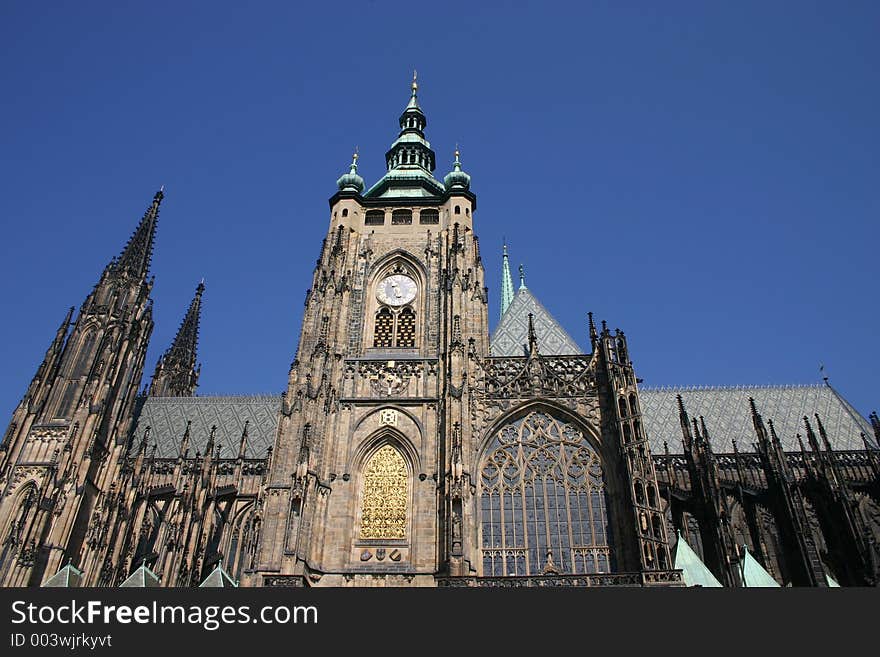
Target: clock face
{"points": [[396, 290]]}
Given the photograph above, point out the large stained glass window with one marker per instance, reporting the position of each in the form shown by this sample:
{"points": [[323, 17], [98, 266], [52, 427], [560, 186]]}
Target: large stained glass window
{"points": [[542, 501], [386, 490]]}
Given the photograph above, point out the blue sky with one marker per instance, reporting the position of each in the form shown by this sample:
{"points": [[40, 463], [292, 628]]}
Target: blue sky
{"points": [[703, 175]]}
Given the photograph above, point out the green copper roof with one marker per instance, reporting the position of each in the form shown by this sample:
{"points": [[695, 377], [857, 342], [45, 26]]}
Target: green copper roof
{"points": [[506, 282], [410, 161], [69, 576], [753, 573], [218, 578], [457, 179], [141, 578], [693, 571], [351, 181]]}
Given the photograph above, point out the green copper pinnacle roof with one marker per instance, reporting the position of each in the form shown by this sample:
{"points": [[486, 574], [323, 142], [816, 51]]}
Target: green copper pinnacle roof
{"points": [[142, 577], [506, 282], [457, 179], [693, 570], [68, 576], [351, 181], [218, 578], [410, 160], [753, 573]]}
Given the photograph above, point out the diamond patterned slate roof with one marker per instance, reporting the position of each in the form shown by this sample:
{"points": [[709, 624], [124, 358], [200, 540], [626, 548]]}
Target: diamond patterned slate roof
{"points": [[727, 415], [511, 336], [167, 418]]}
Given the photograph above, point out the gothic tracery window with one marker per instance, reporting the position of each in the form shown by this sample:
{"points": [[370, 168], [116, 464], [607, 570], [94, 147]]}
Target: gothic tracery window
{"points": [[542, 501], [394, 324], [386, 490]]}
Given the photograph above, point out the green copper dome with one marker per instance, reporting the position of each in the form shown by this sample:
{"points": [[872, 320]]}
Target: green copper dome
{"points": [[351, 181], [457, 178]]}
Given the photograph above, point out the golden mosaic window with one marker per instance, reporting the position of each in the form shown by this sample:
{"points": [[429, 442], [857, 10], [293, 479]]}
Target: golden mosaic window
{"points": [[542, 501], [386, 491]]}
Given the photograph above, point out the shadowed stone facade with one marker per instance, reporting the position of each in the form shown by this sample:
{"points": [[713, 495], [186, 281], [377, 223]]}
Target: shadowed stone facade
{"points": [[408, 448]]}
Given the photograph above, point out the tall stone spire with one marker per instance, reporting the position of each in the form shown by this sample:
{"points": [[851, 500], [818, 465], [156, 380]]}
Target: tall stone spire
{"points": [[135, 257], [176, 373], [506, 282]]}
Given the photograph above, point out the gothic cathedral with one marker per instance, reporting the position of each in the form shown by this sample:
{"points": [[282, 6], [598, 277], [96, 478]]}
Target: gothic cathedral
{"points": [[411, 448]]}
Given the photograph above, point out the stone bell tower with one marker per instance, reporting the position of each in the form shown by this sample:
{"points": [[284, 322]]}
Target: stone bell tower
{"points": [[372, 419]]}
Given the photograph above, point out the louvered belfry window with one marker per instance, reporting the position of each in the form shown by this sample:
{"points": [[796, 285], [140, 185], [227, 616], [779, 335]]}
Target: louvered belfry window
{"points": [[383, 334], [542, 501], [406, 328]]}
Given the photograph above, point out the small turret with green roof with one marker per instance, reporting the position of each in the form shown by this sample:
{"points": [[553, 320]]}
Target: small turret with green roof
{"points": [[457, 179], [351, 181]]}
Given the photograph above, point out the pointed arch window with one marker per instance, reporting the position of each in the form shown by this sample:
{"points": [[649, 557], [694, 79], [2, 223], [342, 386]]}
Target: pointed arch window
{"points": [[542, 504], [394, 321], [386, 491], [84, 357]]}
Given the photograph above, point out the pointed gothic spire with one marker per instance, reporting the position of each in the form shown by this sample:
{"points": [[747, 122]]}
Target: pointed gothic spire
{"points": [[533, 337], [176, 374], [506, 281], [135, 257], [594, 334], [53, 353]]}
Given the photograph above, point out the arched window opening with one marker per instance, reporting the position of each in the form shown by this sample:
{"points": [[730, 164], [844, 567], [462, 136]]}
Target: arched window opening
{"points": [[640, 492], [65, 407], [406, 328], [621, 404], [375, 218], [542, 496], [386, 491], [84, 358], [633, 404], [652, 495], [383, 333], [429, 217], [656, 526], [395, 320], [467, 212], [627, 433], [344, 212], [401, 217], [457, 209]]}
